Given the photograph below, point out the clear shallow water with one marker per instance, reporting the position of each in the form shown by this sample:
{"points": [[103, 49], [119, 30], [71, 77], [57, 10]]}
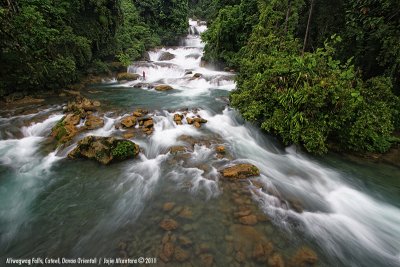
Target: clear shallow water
{"points": [[54, 207]]}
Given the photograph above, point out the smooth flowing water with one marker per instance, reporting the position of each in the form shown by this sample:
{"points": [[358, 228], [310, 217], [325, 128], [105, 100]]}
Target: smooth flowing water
{"points": [[50, 206]]}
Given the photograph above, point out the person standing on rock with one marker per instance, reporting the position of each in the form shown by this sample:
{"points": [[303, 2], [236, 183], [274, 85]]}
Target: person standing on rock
{"points": [[144, 75]]}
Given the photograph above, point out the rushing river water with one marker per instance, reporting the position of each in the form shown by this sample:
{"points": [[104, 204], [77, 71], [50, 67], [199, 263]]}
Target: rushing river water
{"points": [[348, 213]]}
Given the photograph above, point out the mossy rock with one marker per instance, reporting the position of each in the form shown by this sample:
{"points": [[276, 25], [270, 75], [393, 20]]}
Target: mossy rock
{"points": [[240, 171], [105, 149]]}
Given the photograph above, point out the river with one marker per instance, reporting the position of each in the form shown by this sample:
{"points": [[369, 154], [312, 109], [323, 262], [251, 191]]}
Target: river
{"points": [[322, 211]]}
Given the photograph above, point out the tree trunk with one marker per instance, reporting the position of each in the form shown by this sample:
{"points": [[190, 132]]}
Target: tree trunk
{"points": [[308, 26], [287, 15]]}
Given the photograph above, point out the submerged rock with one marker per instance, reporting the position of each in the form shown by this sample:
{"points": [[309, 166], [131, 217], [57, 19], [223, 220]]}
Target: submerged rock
{"points": [[126, 76], [163, 87], [177, 149], [304, 257], [248, 220], [169, 224], [181, 255], [276, 261], [241, 171], [167, 251], [104, 149], [166, 56]]}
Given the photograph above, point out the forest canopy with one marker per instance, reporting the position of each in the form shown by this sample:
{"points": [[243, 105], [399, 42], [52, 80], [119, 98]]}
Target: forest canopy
{"points": [[47, 44], [317, 73]]}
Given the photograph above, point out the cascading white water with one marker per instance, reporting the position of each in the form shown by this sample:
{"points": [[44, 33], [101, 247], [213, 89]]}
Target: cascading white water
{"points": [[352, 227]]}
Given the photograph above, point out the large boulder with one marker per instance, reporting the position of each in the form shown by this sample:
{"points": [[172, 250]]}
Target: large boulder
{"points": [[126, 76], [163, 87], [240, 171], [104, 149], [194, 55], [166, 56]]}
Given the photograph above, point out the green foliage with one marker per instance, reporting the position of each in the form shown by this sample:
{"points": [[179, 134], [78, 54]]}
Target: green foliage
{"points": [[168, 18], [44, 44], [229, 32], [123, 150]]}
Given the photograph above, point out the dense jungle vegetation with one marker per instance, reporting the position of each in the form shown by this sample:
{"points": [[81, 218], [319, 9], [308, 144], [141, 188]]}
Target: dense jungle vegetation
{"points": [[318, 73], [48, 44]]}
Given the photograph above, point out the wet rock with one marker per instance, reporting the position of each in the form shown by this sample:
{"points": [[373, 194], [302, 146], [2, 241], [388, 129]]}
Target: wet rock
{"points": [[128, 135], [304, 257], [166, 56], [72, 119], [104, 149], [186, 213], [163, 87], [145, 56], [220, 149], [177, 149], [167, 251], [242, 213], [276, 261], [200, 120], [197, 75], [190, 120], [128, 122], [169, 224], [82, 104], [166, 238], [141, 85], [148, 123], [93, 122], [207, 260], [240, 171], [181, 255], [203, 248], [188, 72], [262, 251], [296, 205], [197, 124], [65, 130], [125, 76], [137, 114], [185, 241], [168, 206], [248, 220], [178, 118]]}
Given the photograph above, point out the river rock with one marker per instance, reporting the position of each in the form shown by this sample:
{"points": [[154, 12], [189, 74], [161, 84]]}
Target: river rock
{"points": [[126, 76], [241, 171], [181, 255], [240, 257], [168, 206], [186, 213], [167, 252], [163, 87], [177, 149], [185, 241], [128, 135], [93, 122], [104, 149], [169, 224], [128, 122], [166, 56], [190, 120], [178, 118], [304, 257], [197, 75], [277, 261], [248, 220], [197, 124], [137, 114], [82, 104], [207, 260], [220, 149], [64, 132]]}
